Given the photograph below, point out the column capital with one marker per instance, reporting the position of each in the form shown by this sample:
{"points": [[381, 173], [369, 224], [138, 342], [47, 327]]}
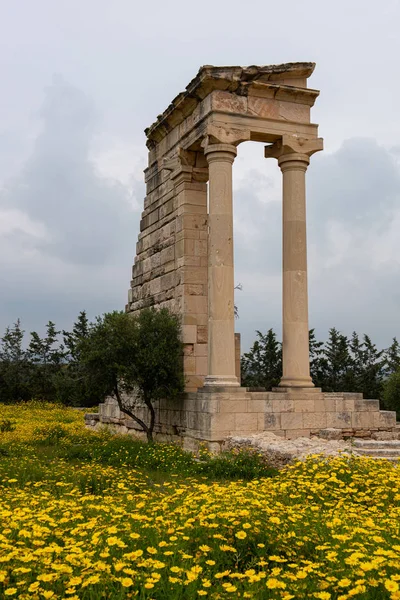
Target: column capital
{"points": [[296, 148], [217, 152]]}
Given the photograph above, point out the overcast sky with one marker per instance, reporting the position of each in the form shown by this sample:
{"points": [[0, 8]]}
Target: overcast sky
{"points": [[81, 79]]}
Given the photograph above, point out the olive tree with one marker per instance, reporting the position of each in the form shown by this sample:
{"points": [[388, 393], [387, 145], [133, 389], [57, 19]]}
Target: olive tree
{"points": [[139, 355]]}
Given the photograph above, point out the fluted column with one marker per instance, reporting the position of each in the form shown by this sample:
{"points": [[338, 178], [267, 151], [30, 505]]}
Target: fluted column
{"points": [[221, 318], [293, 159]]}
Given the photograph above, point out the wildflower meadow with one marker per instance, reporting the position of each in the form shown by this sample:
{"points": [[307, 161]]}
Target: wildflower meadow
{"points": [[86, 515]]}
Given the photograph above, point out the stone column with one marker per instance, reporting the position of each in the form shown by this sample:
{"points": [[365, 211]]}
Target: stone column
{"points": [[221, 318], [293, 158]]}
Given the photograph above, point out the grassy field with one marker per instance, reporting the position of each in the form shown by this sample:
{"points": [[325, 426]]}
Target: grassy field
{"points": [[86, 515]]}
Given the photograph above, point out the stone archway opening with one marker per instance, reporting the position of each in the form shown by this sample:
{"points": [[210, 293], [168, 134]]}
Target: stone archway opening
{"points": [[257, 217]]}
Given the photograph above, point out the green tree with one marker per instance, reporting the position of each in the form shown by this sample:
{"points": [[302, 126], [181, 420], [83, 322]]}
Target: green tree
{"points": [[338, 362], [353, 377], [80, 331], [14, 366], [141, 356], [318, 363], [72, 385], [391, 393], [46, 357], [392, 358], [106, 353], [371, 371], [157, 368], [262, 365]]}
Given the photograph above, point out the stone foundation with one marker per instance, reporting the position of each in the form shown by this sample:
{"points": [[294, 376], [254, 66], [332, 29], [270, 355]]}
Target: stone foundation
{"points": [[210, 416]]}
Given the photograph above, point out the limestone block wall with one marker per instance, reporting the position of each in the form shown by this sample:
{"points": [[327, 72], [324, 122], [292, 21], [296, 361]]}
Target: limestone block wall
{"points": [[212, 416], [170, 268]]}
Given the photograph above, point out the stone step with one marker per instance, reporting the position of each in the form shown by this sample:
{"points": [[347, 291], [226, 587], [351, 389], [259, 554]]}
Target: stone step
{"points": [[395, 452], [376, 443]]}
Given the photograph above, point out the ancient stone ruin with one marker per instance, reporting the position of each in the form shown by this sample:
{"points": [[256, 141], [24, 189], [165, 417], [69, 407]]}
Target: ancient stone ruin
{"points": [[184, 257]]}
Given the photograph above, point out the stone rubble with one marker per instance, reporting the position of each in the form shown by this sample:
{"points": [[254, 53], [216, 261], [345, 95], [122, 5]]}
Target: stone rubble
{"points": [[280, 452]]}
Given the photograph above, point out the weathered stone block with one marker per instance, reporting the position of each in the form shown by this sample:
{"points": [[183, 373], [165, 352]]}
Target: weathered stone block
{"points": [[384, 419], [258, 406], [189, 334], [303, 406], [338, 420], [331, 434], [193, 319], [155, 286], [272, 421], [282, 405], [193, 197], [207, 403], [366, 405], [200, 247], [188, 349], [189, 365], [195, 304], [314, 420], [292, 420], [194, 290], [193, 382], [344, 404], [362, 420], [292, 434], [167, 254], [223, 423], [233, 406], [201, 365], [194, 275], [200, 349], [246, 422], [187, 234], [202, 334], [324, 405]]}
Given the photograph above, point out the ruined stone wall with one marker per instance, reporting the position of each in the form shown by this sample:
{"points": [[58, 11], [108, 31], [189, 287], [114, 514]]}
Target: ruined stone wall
{"points": [[210, 418], [170, 268]]}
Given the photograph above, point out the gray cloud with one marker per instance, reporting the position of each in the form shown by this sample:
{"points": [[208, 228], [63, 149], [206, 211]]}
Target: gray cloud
{"points": [[67, 232], [87, 217], [358, 184]]}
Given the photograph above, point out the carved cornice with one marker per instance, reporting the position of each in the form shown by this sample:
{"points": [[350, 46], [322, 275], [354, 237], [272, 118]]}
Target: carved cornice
{"points": [[239, 80]]}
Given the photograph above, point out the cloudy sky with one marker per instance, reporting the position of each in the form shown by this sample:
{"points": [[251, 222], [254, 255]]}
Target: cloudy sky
{"points": [[81, 79]]}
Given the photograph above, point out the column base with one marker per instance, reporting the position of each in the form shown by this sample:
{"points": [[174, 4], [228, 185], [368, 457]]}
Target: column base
{"points": [[221, 380], [291, 383]]}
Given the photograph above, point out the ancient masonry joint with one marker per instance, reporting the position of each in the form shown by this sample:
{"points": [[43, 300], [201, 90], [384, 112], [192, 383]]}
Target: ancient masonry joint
{"points": [[184, 257]]}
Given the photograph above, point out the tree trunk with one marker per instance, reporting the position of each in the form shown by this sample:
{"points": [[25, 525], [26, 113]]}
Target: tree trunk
{"points": [[150, 429], [130, 414]]}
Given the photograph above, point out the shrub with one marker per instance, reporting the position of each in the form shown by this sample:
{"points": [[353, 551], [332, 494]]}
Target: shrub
{"points": [[50, 436], [7, 425], [243, 464]]}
